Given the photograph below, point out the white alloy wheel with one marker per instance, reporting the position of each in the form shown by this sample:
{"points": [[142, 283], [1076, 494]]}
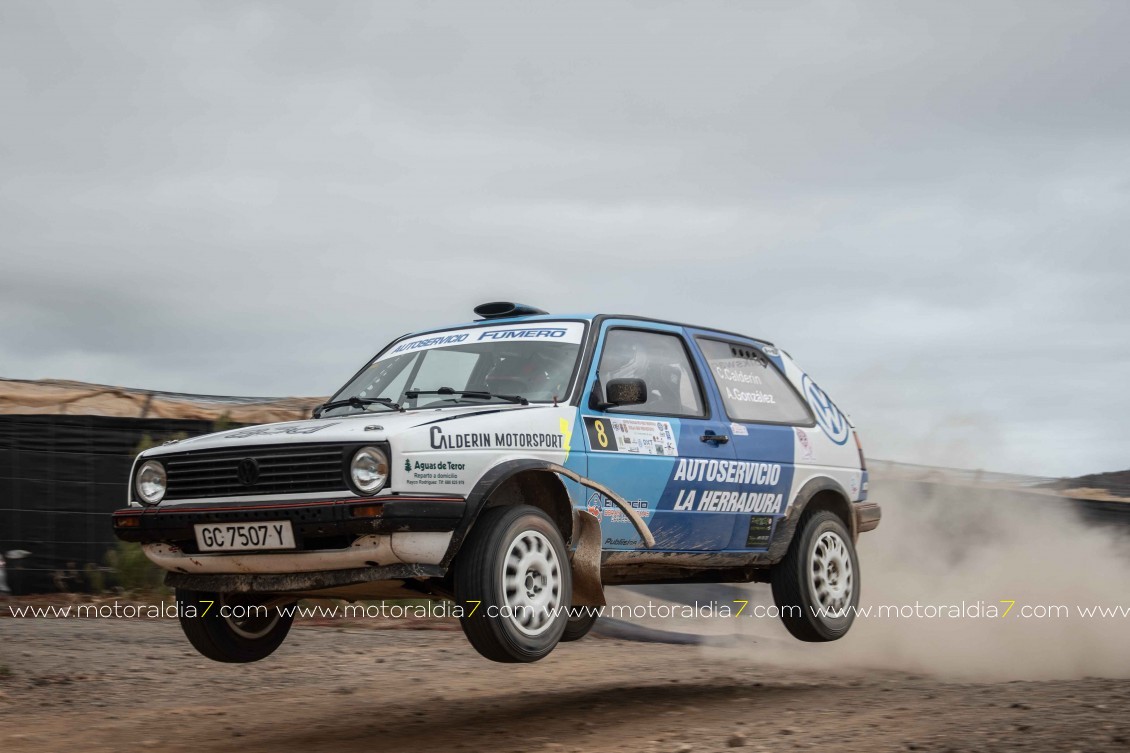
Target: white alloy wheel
{"points": [[513, 579], [831, 575], [531, 582]]}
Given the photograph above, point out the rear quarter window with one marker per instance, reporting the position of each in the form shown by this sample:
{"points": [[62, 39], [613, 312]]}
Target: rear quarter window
{"points": [[752, 388]]}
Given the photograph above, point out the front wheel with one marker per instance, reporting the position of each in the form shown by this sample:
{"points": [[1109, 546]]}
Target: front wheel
{"points": [[816, 585], [513, 582], [231, 629]]}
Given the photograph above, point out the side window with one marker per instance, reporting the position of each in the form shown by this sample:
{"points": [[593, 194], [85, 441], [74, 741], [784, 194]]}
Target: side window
{"points": [[661, 361], [752, 388]]}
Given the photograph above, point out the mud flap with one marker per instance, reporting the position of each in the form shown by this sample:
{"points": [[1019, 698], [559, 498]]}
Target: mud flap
{"points": [[587, 590]]}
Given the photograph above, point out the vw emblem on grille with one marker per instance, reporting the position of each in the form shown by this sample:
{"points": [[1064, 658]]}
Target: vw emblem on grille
{"points": [[247, 471]]}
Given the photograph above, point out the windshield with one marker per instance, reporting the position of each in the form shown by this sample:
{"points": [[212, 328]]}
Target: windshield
{"points": [[534, 361]]}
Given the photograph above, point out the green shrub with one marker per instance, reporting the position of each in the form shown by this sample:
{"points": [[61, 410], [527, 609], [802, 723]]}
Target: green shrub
{"points": [[133, 571], [95, 578], [144, 444], [147, 441]]}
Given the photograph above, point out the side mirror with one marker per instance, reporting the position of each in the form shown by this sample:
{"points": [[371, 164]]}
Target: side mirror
{"points": [[625, 392]]}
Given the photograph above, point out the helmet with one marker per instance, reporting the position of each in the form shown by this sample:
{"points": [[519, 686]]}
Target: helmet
{"points": [[513, 374], [625, 358], [532, 372]]}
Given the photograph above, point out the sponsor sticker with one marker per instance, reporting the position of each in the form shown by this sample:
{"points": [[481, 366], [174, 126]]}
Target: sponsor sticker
{"points": [[558, 332], [432, 471], [758, 486], [268, 431], [595, 505], [760, 531], [606, 509], [489, 440], [631, 435], [805, 444]]}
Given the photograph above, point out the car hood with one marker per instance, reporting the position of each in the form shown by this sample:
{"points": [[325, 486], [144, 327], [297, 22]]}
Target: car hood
{"points": [[361, 427]]}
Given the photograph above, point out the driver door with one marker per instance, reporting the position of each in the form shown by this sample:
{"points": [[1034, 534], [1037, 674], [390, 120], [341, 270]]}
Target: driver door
{"points": [[657, 454]]}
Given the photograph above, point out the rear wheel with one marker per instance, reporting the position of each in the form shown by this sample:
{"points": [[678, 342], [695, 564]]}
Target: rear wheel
{"points": [[512, 580], [578, 627], [816, 585], [229, 628]]}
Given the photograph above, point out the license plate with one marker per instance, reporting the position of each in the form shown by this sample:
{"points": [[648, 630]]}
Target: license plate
{"points": [[242, 537]]}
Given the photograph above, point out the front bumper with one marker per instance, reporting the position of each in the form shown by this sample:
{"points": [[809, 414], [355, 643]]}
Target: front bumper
{"points": [[314, 522], [329, 535]]}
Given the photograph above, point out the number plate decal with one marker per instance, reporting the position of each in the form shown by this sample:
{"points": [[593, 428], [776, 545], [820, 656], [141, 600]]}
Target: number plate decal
{"points": [[244, 537]]}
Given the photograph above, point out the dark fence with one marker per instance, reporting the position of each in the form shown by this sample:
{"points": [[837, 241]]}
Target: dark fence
{"points": [[60, 478]]}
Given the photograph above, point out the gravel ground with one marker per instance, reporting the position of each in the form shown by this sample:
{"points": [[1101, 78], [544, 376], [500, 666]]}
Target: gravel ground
{"points": [[93, 685]]}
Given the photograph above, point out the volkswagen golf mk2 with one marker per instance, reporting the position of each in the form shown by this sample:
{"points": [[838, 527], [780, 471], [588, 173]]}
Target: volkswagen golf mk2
{"points": [[516, 465]]}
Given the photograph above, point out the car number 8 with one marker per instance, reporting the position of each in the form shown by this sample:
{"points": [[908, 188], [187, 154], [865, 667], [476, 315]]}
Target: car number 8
{"points": [[601, 436]]}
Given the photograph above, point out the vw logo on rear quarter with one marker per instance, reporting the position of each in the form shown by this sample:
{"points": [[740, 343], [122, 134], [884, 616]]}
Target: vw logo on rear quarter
{"points": [[827, 414], [247, 471]]}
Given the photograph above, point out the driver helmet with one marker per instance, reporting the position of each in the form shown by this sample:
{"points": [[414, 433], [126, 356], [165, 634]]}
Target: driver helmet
{"points": [[513, 374], [626, 360]]}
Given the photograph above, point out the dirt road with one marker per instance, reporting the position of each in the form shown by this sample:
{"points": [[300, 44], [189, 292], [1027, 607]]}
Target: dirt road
{"points": [[113, 684], [95, 685]]}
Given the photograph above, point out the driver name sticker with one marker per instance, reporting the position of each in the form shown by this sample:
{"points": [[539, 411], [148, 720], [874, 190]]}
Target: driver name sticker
{"points": [[631, 435]]}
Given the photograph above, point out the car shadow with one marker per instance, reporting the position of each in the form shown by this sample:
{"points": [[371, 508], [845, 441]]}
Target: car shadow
{"points": [[521, 720]]}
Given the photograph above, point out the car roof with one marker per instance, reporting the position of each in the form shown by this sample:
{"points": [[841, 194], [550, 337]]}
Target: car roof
{"points": [[587, 317]]}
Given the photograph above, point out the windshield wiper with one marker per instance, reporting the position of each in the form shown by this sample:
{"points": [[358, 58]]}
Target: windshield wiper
{"points": [[477, 394], [355, 402]]}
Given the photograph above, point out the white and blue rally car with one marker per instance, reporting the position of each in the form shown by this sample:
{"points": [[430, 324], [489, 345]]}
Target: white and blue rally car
{"points": [[516, 465]]}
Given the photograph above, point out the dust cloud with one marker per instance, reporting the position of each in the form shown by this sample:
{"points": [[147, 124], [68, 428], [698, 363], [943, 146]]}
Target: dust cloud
{"points": [[968, 552]]}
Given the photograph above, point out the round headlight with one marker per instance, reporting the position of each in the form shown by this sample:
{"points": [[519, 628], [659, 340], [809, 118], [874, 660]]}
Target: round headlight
{"points": [[369, 469], [150, 483]]}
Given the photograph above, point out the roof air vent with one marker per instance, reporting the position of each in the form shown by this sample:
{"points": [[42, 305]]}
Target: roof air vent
{"points": [[504, 309]]}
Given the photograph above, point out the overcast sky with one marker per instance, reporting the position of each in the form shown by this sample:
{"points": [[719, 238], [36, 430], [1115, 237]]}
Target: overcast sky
{"points": [[925, 203]]}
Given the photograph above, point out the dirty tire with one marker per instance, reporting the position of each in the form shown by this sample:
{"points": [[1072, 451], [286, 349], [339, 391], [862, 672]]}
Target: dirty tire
{"points": [[820, 571], [514, 556], [577, 628], [225, 640]]}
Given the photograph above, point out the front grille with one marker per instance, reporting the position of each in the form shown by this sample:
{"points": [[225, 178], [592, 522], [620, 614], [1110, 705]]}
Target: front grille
{"points": [[285, 469]]}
